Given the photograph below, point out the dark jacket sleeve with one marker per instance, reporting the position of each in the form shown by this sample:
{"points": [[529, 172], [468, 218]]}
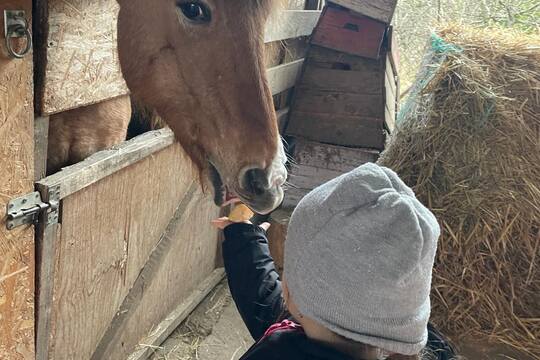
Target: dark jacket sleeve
{"points": [[253, 279]]}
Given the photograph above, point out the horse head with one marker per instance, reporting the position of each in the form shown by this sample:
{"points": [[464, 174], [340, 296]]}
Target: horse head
{"points": [[200, 64]]}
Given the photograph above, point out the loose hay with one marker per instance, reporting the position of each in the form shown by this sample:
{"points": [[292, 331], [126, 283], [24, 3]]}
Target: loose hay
{"points": [[470, 147]]}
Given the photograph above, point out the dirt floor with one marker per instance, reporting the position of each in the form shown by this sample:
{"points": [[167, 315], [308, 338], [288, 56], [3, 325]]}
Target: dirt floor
{"points": [[214, 331]]}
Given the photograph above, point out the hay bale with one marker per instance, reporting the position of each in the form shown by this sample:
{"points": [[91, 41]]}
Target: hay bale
{"points": [[468, 142]]}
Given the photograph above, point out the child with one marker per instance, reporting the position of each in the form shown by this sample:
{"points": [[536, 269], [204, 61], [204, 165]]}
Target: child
{"points": [[358, 262]]}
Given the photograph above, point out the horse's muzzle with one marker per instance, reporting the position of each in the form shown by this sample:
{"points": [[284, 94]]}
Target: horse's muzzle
{"points": [[262, 190]]}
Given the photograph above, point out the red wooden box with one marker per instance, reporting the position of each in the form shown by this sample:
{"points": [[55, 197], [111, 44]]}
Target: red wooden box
{"points": [[346, 31]]}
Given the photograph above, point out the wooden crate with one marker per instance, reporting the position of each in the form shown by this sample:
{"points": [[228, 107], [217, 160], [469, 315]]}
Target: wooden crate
{"points": [[382, 10], [317, 163], [343, 99], [346, 31]]}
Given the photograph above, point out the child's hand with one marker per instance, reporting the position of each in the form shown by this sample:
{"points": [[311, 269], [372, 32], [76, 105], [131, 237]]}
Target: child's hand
{"points": [[239, 214], [223, 222]]}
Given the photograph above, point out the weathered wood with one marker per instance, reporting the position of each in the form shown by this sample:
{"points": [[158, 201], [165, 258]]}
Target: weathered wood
{"points": [[159, 334], [145, 278], [98, 260], [331, 59], [338, 129], [327, 102], [46, 238], [337, 80], [79, 65], [390, 95], [105, 163], [291, 24], [283, 77], [41, 131], [348, 32], [382, 10], [16, 178], [336, 158], [317, 163]]}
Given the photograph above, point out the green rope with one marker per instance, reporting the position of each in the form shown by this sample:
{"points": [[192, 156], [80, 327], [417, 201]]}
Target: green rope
{"points": [[436, 55]]}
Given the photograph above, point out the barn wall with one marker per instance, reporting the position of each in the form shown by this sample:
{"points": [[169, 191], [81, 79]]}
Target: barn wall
{"points": [[16, 179]]}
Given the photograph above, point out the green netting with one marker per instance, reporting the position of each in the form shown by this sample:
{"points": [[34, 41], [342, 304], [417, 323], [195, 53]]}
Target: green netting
{"points": [[437, 53]]}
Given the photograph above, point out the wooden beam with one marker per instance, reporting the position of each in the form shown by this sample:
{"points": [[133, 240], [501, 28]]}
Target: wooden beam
{"points": [[284, 77], [290, 24], [17, 262], [160, 333], [105, 163], [41, 137]]}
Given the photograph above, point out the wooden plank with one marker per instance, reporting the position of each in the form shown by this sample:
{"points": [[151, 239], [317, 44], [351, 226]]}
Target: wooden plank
{"points": [[191, 259], [331, 59], [105, 163], [16, 178], [108, 231], [328, 102], [290, 24], [283, 77], [177, 316], [336, 158], [79, 65], [382, 10], [46, 238], [390, 95], [318, 163], [41, 137], [144, 279], [348, 32], [338, 129], [345, 81], [389, 120]]}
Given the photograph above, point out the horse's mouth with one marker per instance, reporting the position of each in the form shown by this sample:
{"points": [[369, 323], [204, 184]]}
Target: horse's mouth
{"points": [[224, 194], [221, 193]]}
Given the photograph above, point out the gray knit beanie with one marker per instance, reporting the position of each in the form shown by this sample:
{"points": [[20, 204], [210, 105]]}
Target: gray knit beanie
{"points": [[359, 257]]}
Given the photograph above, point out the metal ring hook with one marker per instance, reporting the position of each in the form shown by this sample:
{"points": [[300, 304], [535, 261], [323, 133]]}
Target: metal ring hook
{"points": [[19, 30]]}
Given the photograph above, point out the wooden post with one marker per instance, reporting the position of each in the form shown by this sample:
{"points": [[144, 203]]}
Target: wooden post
{"points": [[16, 179]]}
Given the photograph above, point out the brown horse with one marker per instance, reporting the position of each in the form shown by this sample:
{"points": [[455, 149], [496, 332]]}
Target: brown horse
{"points": [[200, 64], [76, 134]]}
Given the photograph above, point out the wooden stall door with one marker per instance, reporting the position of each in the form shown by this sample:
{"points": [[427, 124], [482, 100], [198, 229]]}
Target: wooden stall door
{"points": [[16, 178]]}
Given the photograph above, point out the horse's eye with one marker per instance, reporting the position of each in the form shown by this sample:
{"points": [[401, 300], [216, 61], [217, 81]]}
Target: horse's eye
{"points": [[195, 11]]}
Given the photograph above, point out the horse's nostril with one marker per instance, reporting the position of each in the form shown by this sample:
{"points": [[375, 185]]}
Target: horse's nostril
{"points": [[255, 181]]}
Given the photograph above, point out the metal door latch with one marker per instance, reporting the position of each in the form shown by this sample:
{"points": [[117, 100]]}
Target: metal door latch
{"points": [[16, 26], [26, 210]]}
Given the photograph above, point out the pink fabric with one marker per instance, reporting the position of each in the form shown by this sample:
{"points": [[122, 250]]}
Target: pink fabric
{"points": [[284, 325]]}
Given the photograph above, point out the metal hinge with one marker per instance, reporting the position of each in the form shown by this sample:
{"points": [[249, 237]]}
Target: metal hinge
{"points": [[27, 209]]}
